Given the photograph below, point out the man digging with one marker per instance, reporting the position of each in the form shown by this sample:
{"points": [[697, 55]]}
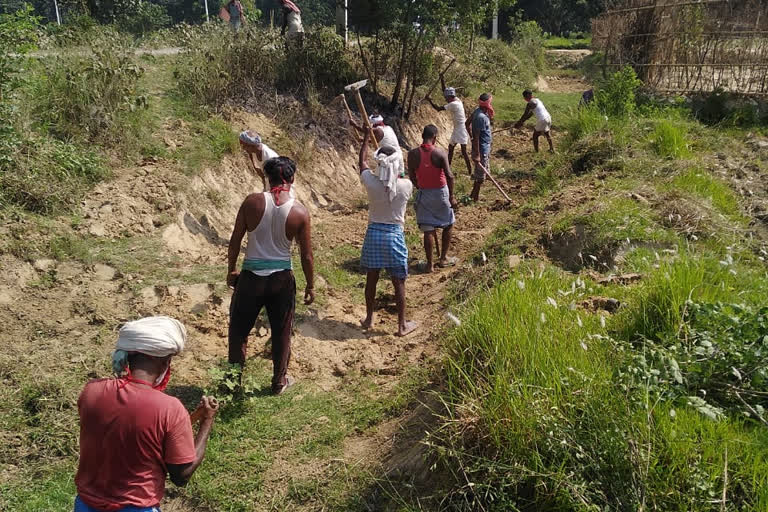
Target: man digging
{"points": [[479, 125], [430, 172], [459, 135], [535, 107], [384, 246], [251, 143], [272, 220], [385, 134], [131, 432]]}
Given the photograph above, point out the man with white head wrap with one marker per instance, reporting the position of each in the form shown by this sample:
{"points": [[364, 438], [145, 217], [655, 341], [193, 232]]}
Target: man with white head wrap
{"points": [[130, 431], [384, 246], [251, 143], [385, 134], [460, 135]]}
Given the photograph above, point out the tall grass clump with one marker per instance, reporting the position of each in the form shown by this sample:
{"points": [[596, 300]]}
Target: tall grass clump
{"points": [[615, 96], [89, 98], [50, 176], [702, 184], [217, 68], [535, 419], [670, 140]]}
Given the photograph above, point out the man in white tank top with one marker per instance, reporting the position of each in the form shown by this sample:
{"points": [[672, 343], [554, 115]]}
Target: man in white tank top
{"points": [[460, 135], [385, 135], [292, 28], [272, 220], [543, 124]]}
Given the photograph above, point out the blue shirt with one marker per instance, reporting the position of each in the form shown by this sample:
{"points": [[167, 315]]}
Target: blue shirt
{"points": [[234, 12], [481, 129]]}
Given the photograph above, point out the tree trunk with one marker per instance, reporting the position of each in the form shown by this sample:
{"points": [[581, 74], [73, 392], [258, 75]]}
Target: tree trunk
{"points": [[371, 76], [403, 55]]}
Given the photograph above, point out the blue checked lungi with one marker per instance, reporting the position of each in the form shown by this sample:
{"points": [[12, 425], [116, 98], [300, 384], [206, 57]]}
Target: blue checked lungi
{"points": [[384, 247], [80, 506]]}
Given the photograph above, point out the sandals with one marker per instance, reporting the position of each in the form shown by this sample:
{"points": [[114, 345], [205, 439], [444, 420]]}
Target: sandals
{"points": [[450, 262], [289, 381]]}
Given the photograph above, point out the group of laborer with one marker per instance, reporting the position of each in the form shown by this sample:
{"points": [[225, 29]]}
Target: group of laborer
{"points": [[232, 12], [132, 435]]}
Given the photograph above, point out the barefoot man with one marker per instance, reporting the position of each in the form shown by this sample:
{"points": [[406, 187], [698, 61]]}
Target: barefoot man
{"points": [[479, 126], [251, 143], [460, 135], [131, 433], [543, 124], [273, 220], [384, 246], [430, 172]]}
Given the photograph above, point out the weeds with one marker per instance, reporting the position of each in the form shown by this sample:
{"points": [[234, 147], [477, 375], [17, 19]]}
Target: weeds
{"points": [[88, 98], [670, 140]]}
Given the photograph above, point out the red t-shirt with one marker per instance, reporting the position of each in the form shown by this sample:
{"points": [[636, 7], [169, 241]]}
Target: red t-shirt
{"points": [[128, 433]]}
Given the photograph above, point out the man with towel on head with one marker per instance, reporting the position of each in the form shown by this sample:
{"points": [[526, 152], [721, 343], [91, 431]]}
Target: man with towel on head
{"points": [[460, 135], [384, 134], [479, 126], [251, 143], [384, 246], [430, 172], [131, 432]]}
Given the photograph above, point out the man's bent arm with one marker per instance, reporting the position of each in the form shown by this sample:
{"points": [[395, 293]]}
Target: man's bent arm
{"points": [[436, 107], [527, 114], [181, 473], [412, 166], [448, 175], [236, 240]]}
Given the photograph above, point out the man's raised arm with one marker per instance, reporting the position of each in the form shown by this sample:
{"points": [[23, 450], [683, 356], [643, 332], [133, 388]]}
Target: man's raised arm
{"points": [[364, 152]]}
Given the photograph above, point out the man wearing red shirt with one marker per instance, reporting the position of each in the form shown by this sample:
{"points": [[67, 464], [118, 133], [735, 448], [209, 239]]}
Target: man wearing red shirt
{"points": [[131, 432]]}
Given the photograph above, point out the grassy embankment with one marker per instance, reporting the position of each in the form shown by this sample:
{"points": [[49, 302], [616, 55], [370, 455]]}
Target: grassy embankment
{"points": [[557, 406]]}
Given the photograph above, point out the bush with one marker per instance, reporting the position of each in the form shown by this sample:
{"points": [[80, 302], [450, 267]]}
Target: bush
{"points": [[257, 59], [89, 97], [321, 61], [670, 140], [50, 176], [615, 97], [146, 17]]}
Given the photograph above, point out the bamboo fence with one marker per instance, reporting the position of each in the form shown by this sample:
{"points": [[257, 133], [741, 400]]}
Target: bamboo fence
{"points": [[688, 45]]}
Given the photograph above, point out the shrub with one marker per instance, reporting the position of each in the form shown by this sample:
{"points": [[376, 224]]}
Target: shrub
{"points": [[50, 176], [213, 73], [145, 17], [321, 61], [88, 97], [615, 97], [670, 140]]}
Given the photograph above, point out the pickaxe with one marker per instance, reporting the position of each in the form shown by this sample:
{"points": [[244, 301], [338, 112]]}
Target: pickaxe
{"points": [[349, 112], [355, 88], [494, 181], [440, 75]]}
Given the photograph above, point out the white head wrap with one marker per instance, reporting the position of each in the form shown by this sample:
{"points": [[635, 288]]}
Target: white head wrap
{"points": [[250, 137], [449, 91], [375, 119], [389, 168], [156, 336]]}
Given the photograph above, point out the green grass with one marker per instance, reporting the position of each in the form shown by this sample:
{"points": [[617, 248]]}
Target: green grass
{"points": [[670, 140], [704, 186], [568, 43]]}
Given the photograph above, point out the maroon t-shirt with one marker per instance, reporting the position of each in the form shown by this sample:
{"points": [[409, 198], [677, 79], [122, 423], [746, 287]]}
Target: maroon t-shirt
{"points": [[128, 433]]}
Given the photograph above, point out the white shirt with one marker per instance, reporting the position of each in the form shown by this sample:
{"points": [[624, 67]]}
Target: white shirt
{"points": [[456, 108], [294, 23], [389, 138], [380, 209], [540, 111], [266, 153]]}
